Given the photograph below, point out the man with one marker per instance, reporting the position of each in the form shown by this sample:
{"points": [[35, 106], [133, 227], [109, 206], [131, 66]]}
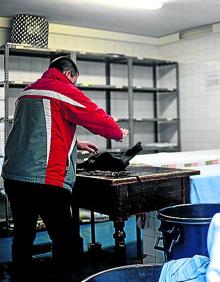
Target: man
{"points": [[40, 161]]}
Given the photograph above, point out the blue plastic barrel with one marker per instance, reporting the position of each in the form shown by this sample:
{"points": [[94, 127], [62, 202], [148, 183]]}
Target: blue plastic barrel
{"points": [[131, 273], [184, 229]]}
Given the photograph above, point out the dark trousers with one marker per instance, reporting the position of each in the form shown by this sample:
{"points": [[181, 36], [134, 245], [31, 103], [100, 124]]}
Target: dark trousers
{"points": [[27, 202]]}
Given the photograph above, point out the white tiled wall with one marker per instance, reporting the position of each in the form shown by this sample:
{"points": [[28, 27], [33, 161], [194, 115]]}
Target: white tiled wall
{"points": [[26, 68], [144, 131], [86, 44], [142, 76], [119, 75], [91, 73], [199, 72]]}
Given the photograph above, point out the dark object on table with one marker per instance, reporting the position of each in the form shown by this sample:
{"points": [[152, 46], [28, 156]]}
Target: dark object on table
{"points": [[111, 161]]}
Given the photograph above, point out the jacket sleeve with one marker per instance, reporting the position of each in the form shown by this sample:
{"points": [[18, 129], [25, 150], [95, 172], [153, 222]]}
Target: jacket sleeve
{"points": [[89, 115]]}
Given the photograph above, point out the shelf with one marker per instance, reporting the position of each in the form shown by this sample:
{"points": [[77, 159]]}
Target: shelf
{"points": [[15, 84], [22, 84], [24, 50], [10, 119], [165, 121], [113, 88], [100, 58], [116, 88], [151, 62], [121, 59], [152, 89], [168, 120], [146, 149], [102, 88], [150, 150], [83, 155], [160, 145]]}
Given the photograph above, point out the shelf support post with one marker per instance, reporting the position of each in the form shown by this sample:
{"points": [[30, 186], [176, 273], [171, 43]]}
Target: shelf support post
{"points": [[178, 107], [108, 96], [156, 139], [130, 101], [6, 89]]}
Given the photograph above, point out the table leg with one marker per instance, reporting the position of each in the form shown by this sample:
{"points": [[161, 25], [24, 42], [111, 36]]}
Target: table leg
{"points": [[93, 246], [119, 236]]}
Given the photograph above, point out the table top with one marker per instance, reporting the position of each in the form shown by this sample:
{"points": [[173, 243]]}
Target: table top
{"points": [[133, 174]]}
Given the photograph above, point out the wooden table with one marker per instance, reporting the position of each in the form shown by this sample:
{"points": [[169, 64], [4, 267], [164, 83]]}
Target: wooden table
{"points": [[136, 190]]}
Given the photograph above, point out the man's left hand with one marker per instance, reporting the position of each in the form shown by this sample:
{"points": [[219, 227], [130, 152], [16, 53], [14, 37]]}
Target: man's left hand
{"points": [[87, 146]]}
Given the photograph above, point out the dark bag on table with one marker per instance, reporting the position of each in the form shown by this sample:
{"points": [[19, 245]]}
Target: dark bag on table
{"points": [[112, 161]]}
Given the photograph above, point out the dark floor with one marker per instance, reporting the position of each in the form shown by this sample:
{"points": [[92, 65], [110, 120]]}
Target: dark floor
{"points": [[90, 263]]}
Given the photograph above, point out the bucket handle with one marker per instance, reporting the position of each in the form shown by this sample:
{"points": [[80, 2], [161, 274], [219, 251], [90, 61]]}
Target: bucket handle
{"points": [[174, 234], [156, 246]]}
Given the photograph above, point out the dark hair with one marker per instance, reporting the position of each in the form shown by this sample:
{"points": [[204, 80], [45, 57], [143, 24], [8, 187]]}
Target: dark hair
{"points": [[64, 64]]}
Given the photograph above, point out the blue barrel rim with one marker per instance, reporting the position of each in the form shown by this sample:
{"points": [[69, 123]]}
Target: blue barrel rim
{"points": [[121, 268], [185, 220]]}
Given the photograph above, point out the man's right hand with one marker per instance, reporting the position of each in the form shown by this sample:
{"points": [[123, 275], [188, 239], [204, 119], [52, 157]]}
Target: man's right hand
{"points": [[125, 132]]}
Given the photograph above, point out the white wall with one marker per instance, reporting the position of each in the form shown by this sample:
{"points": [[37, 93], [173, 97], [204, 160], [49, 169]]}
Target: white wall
{"points": [[199, 73]]}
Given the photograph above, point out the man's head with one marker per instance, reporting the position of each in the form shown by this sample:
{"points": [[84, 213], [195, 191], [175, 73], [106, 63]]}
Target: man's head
{"points": [[67, 67]]}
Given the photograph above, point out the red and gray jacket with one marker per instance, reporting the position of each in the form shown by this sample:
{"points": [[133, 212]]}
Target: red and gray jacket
{"points": [[41, 146]]}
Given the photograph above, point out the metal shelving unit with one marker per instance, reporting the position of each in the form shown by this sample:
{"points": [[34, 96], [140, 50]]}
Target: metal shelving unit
{"points": [[130, 62], [12, 49], [129, 90]]}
